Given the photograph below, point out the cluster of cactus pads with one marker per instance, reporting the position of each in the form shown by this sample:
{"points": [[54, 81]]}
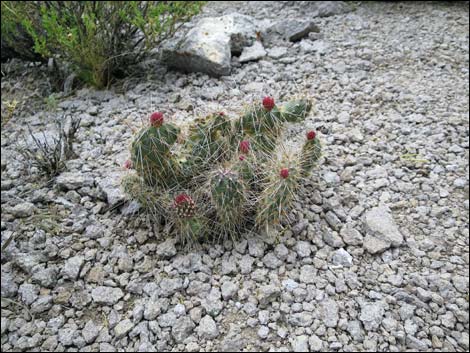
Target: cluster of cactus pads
{"points": [[221, 176]]}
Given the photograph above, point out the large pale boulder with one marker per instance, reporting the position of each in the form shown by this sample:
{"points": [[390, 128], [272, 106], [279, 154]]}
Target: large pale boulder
{"points": [[209, 46]]}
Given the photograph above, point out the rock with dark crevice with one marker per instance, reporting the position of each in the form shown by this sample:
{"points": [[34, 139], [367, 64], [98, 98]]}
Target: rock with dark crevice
{"points": [[209, 46], [292, 30]]}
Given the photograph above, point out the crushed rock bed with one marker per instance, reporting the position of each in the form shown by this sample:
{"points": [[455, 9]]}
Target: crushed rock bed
{"points": [[377, 257]]}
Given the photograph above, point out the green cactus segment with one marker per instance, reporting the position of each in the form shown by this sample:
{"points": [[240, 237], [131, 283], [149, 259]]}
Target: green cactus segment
{"points": [[209, 141], [265, 143], [148, 199], [258, 120], [135, 187], [276, 199], [246, 167], [156, 139], [228, 195], [296, 111], [311, 153], [212, 127], [251, 121], [262, 127], [190, 229], [274, 119], [221, 123], [151, 157]]}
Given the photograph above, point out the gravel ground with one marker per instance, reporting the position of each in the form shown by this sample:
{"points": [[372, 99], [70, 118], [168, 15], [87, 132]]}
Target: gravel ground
{"points": [[377, 259]]}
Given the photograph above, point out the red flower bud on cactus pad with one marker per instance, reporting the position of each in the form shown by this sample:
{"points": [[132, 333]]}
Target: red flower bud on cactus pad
{"points": [[221, 113], [181, 199], [241, 157], [268, 103], [184, 205], [156, 119], [284, 173], [311, 135], [128, 164], [244, 146]]}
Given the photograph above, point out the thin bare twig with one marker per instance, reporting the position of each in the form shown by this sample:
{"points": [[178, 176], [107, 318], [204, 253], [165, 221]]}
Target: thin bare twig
{"points": [[8, 241], [19, 304]]}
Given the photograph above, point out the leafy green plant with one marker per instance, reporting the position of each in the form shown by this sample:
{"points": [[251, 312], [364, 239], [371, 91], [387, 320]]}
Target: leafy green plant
{"points": [[99, 38], [16, 42], [220, 177]]}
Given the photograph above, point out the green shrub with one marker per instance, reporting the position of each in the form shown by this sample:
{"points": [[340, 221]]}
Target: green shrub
{"points": [[16, 43], [99, 38]]}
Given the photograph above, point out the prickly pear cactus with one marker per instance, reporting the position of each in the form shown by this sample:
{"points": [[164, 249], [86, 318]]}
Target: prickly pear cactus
{"points": [[282, 183], [185, 206], [228, 192], [263, 124], [311, 152], [145, 195], [188, 223], [246, 167], [221, 176], [296, 111], [151, 156], [208, 141]]}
